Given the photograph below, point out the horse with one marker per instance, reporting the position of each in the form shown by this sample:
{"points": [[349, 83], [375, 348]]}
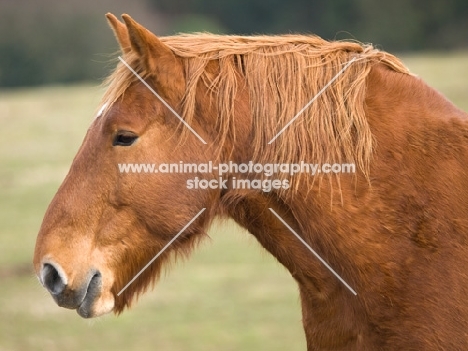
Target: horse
{"points": [[395, 231]]}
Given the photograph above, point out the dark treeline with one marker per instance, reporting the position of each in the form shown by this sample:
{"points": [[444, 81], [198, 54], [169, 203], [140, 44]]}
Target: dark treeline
{"points": [[395, 25], [46, 42]]}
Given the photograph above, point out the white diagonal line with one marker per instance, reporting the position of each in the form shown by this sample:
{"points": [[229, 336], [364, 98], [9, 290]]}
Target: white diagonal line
{"points": [[162, 250], [162, 100], [311, 250], [313, 99]]}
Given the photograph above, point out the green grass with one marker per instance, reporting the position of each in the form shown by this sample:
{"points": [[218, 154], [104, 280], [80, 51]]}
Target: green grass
{"points": [[230, 295]]}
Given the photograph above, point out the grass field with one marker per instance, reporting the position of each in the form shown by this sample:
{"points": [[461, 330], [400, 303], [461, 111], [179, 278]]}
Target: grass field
{"points": [[230, 295]]}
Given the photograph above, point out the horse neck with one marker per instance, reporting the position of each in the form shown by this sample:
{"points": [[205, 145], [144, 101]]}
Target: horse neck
{"points": [[347, 233], [401, 110], [319, 288]]}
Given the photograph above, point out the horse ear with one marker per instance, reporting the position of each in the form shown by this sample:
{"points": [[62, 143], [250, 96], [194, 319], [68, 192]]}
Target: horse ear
{"points": [[120, 32], [157, 58]]}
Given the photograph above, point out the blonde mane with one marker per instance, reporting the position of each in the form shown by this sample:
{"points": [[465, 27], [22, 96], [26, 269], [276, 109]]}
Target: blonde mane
{"points": [[281, 74]]}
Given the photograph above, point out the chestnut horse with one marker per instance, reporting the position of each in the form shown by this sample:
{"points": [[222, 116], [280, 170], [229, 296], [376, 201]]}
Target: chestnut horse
{"points": [[396, 230]]}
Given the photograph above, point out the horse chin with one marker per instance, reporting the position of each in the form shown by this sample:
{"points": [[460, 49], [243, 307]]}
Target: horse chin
{"points": [[101, 306], [96, 301]]}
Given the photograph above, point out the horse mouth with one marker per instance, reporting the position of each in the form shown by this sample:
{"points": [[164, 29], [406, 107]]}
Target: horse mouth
{"points": [[93, 291], [89, 299]]}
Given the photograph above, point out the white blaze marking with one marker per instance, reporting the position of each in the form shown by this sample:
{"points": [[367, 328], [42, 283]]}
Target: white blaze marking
{"points": [[101, 110]]}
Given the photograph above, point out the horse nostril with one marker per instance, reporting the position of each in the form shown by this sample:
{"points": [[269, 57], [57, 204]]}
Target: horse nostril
{"points": [[52, 280]]}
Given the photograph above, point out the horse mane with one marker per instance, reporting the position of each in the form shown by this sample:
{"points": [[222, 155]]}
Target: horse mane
{"points": [[282, 74]]}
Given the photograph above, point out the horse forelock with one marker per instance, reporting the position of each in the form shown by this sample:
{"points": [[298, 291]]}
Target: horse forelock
{"points": [[282, 74]]}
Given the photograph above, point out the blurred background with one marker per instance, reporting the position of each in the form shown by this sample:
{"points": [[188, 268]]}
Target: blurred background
{"points": [[52, 41], [230, 295]]}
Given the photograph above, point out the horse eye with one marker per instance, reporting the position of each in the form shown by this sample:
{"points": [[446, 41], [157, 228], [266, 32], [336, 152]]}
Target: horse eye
{"points": [[124, 138]]}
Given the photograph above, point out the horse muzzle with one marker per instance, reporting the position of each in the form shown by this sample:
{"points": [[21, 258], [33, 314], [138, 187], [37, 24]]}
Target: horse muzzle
{"points": [[81, 297]]}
